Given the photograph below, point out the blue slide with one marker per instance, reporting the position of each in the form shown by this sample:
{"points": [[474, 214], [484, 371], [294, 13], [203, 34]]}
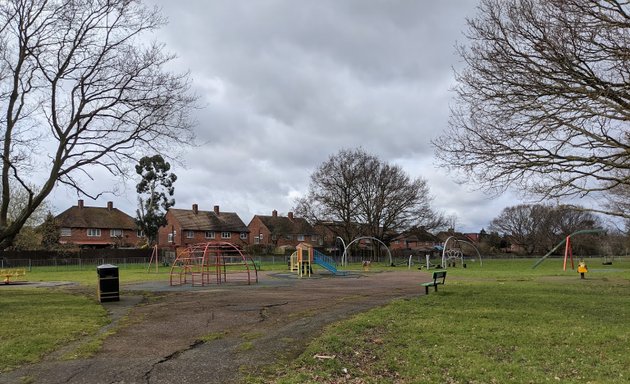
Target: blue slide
{"points": [[328, 263]]}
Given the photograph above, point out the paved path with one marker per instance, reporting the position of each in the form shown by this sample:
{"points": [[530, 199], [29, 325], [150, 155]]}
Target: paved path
{"points": [[214, 334]]}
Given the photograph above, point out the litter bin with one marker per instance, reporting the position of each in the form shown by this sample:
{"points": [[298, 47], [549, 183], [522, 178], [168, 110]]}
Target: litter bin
{"points": [[107, 283]]}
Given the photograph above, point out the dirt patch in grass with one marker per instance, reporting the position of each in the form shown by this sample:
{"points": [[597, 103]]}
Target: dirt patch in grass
{"points": [[166, 340]]}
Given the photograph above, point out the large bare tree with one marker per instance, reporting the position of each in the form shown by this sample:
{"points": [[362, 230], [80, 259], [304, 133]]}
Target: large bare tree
{"points": [[543, 100], [362, 195], [81, 86], [536, 228]]}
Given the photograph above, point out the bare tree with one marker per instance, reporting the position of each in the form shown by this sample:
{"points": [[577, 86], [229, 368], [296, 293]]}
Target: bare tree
{"points": [[332, 196], [363, 195], [543, 101], [537, 228], [80, 87]]}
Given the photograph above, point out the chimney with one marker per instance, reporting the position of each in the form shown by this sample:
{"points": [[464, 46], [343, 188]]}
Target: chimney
{"points": [[290, 215], [110, 205], [274, 213], [80, 204], [216, 209], [195, 209]]}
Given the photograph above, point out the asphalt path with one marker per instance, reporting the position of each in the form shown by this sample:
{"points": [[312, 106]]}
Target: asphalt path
{"points": [[218, 333]]}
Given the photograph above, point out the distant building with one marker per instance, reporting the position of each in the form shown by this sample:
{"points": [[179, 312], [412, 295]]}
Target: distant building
{"points": [[416, 239], [98, 227], [191, 226], [279, 231]]}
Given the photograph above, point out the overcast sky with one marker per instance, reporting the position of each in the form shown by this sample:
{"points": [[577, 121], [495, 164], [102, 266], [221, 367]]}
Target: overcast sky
{"points": [[285, 84]]}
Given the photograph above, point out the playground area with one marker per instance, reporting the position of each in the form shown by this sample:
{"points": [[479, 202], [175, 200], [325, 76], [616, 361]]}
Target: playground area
{"points": [[216, 316], [249, 325]]}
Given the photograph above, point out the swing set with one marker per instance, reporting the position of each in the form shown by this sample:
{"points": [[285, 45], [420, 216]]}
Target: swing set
{"points": [[568, 250]]}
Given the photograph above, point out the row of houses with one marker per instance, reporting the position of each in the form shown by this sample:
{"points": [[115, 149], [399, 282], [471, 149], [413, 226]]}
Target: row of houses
{"points": [[108, 226]]}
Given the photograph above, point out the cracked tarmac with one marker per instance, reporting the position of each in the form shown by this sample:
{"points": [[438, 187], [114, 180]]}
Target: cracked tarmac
{"points": [[218, 334]]}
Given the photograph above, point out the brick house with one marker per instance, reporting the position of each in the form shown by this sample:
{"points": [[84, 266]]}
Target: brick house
{"points": [[417, 239], [279, 231], [442, 236], [191, 226], [98, 227]]}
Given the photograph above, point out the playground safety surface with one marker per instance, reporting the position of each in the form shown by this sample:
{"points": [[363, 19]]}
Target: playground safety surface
{"points": [[218, 333]]}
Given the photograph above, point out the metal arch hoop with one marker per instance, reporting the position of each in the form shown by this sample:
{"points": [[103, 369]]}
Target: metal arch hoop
{"points": [[462, 255], [344, 262], [344, 257]]}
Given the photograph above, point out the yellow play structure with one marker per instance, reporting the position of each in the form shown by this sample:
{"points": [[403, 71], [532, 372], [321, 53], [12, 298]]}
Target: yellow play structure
{"points": [[302, 259], [15, 274]]}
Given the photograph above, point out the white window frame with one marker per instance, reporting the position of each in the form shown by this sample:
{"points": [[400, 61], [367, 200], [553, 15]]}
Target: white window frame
{"points": [[226, 235], [115, 233], [243, 236], [190, 234], [65, 232], [94, 232], [140, 233], [170, 237], [210, 235], [300, 237]]}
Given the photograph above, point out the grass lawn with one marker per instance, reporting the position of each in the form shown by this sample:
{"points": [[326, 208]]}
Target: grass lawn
{"points": [[36, 321], [502, 323]]}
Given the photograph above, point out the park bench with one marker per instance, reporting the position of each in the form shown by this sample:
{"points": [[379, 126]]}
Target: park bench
{"points": [[438, 278], [15, 274]]}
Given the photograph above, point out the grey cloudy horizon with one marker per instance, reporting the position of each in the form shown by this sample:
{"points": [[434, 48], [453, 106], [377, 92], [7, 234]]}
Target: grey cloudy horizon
{"points": [[285, 84]]}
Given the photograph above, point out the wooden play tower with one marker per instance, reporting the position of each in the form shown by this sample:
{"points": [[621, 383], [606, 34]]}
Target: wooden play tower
{"points": [[302, 259]]}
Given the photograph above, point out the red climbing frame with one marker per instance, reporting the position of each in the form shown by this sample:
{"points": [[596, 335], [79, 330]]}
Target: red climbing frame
{"points": [[219, 262]]}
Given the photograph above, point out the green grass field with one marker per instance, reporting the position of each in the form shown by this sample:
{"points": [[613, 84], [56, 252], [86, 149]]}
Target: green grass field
{"points": [[500, 323], [496, 323], [37, 321]]}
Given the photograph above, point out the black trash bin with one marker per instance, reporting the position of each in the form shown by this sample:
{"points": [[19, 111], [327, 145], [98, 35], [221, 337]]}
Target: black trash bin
{"points": [[108, 283]]}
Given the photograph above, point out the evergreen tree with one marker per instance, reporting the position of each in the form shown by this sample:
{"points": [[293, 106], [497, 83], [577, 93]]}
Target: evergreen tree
{"points": [[50, 232], [155, 191]]}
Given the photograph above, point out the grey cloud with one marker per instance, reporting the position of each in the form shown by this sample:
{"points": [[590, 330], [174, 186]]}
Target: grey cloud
{"points": [[287, 83]]}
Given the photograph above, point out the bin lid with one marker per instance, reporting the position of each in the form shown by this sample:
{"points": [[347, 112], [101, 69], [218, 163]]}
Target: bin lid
{"points": [[106, 266]]}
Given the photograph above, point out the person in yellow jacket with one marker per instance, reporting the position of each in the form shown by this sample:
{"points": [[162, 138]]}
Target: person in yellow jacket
{"points": [[582, 269]]}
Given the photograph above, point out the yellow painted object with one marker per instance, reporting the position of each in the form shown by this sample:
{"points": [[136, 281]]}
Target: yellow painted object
{"points": [[294, 261], [582, 267], [304, 261], [15, 274]]}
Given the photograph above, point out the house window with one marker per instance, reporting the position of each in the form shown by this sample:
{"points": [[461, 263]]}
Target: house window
{"points": [[256, 240], [190, 234], [209, 235], [243, 235], [115, 233], [300, 237], [65, 232], [140, 233], [170, 238], [226, 235], [289, 237], [94, 232]]}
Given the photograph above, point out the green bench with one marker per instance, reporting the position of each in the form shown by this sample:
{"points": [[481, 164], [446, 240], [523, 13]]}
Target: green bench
{"points": [[438, 278]]}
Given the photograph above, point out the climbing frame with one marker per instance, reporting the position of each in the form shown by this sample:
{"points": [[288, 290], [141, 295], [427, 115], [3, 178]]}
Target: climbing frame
{"points": [[215, 262]]}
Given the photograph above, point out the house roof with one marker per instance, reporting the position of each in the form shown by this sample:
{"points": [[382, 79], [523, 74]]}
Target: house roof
{"points": [[280, 225], [446, 234], [418, 235], [95, 217], [208, 220]]}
